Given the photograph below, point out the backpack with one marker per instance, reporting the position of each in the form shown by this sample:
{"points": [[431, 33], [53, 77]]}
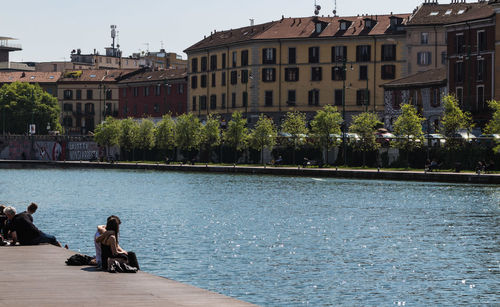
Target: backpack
{"points": [[79, 259]]}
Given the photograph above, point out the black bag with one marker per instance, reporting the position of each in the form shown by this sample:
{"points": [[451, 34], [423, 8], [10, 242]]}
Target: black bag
{"points": [[79, 259]]}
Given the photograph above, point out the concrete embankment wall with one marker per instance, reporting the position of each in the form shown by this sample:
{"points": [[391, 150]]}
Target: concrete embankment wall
{"points": [[281, 171]]}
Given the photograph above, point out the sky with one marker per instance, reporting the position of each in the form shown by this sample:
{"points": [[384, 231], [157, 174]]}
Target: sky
{"points": [[48, 30]]}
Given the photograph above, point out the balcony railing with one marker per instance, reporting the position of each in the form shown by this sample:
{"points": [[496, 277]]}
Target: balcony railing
{"points": [[6, 44]]}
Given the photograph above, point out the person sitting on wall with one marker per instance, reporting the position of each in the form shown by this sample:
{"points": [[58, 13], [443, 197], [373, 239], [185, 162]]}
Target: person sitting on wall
{"points": [[31, 210], [22, 229], [101, 229]]}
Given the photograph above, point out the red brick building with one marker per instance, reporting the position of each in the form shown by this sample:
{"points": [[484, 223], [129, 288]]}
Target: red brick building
{"points": [[153, 94]]}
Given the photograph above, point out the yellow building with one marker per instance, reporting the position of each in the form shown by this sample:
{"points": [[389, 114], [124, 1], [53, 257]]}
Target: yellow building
{"points": [[297, 64]]}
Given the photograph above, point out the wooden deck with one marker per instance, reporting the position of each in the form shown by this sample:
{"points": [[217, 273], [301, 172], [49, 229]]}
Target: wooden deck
{"points": [[38, 276]]}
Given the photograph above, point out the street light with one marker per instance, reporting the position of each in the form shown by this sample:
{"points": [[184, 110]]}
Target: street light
{"points": [[344, 125]]}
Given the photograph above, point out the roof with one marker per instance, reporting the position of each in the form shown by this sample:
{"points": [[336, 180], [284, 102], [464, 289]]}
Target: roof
{"points": [[31, 77], [421, 79], [94, 75], [304, 27], [440, 14], [160, 75]]}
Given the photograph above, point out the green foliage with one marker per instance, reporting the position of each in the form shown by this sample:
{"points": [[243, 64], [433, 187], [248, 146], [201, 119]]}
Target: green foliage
{"points": [[107, 133], [211, 135], [408, 128], [23, 103], [188, 132], [165, 133], [454, 119], [236, 134], [264, 134], [295, 125], [493, 126], [325, 123], [145, 138], [129, 129], [365, 125]]}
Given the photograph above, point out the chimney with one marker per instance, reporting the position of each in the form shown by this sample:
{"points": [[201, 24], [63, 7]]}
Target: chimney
{"points": [[252, 22]]}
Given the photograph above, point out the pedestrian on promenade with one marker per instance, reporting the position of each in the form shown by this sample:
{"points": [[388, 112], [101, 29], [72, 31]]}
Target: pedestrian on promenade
{"points": [[23, 230]]}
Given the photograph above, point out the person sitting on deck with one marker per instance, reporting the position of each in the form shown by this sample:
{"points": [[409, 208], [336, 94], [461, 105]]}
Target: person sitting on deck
{"points": [[101, 229], [31, 210], [23, 230], [111, 250]]}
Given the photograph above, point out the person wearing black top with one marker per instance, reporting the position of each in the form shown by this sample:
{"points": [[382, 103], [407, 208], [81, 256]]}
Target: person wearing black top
{"points": [[23, 230]]}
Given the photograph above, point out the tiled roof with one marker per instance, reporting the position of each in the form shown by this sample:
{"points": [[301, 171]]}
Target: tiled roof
{"points": [[160, 75], [429, 77], [440, 14], [94, 75], [31, 77], [303, 27]]}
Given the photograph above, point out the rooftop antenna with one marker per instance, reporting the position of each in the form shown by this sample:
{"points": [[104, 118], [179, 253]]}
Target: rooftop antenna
{"points": [[161, 44], [317, 8], [335, 9], [147, 47], [113, 36]]}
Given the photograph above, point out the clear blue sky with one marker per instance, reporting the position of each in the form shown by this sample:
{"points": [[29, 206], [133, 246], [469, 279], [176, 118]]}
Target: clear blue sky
{"points": [[48, 30]]}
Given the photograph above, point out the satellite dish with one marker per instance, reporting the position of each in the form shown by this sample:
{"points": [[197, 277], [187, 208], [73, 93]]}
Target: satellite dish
{"points": [[334, 12], [318, 7], [316, 12]]}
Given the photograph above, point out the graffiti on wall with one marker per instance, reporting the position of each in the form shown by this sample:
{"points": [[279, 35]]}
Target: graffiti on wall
{"points": [[48, 150], [82, 151]]}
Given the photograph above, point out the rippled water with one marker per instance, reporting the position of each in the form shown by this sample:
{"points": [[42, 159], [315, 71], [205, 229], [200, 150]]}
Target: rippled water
{"points": [[284, 241]]}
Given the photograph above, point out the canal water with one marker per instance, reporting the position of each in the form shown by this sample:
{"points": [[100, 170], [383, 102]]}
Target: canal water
{"points": [[283, 241]]}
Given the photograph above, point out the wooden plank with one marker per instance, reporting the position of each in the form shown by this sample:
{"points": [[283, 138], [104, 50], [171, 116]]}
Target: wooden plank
{"points": [[38, 276]]}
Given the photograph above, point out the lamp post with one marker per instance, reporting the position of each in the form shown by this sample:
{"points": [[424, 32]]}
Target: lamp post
{"points": [[344, 75]]}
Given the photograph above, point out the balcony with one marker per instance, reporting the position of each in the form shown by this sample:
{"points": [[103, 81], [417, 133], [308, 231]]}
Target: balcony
{"points": [[5, 45]]}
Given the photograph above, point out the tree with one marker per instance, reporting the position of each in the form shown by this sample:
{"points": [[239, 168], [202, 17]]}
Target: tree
{"points": [[236, 134], [295, 124], [325, 123], [263, 135], [165, 133], [129, 129], [493, 126], [365, 125], [211, 136], [408, 128], [107, 133], [188, 132], [145, 138], [23, 103], [454, 119]]}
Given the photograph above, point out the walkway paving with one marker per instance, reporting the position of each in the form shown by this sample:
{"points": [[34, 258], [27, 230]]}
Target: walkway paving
{"points": [[38, 276]]}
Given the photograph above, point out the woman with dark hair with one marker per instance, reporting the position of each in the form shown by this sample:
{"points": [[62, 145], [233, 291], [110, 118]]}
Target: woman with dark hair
{"points": [[111, 252]]}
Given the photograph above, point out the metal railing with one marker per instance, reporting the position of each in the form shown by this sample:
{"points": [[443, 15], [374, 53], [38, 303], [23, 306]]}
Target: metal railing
{"points": [[4, 43]]}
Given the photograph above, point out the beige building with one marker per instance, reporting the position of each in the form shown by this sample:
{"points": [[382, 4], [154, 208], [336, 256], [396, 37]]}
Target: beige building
{"points": [[86, 97], [496, 6]]}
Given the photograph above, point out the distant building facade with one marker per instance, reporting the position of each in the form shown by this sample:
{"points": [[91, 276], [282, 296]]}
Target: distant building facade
{"points": [[47, 81], [6, 47], [160, 60]]}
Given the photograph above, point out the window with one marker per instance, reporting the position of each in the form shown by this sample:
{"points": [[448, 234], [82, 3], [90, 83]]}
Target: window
{"points": [[362, 97], [388, 72], [292, 55], [108, 109], [424, 58], [459, 71], [204, 63], [481, 41], [213, 102], [319, 27], [269, 56], [181, 89], [136, 90], [194, 65], [90, 94], [213, 62], [235, 59], [146, 91], [223, 60], [203, 81], [316, 74], [291, 101], [158, 90], [459, 43], [68, 121], [79, 108], [313, 98], [234, 77], [444, 58], [68, 107], [203, 102], [169, 89], [194, 103], [244, 76], [68, 94], [338, 74], [268, 74], [223, 101], [363, 53], [269, 98], [424, 38], [481, 103], [435, 97], [344, 25], [213, 80], [233, 100], [396, 100], [338, 95], [194, 82], [363, 72], [388, 52], [313, 54], [79, 94], [244, 58], [244, 99], [460, 96], [156, 108], [223, 79], [480, 70], [109, 94], [339, 54], [291, 74]]}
